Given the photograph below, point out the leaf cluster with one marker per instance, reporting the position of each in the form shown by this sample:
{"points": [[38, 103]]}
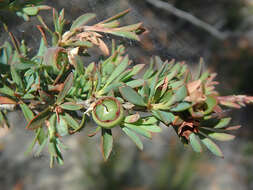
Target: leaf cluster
{"points": [[57, 93]]}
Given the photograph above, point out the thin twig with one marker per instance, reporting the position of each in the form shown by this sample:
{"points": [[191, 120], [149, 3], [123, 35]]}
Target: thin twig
{"points": [[188, 17]]}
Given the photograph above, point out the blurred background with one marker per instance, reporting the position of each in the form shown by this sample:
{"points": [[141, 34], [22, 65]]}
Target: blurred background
{"points": [[165, 164]]}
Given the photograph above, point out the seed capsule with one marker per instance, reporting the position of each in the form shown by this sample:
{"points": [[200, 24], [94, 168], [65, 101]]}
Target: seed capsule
{"points": [[108, 112]]}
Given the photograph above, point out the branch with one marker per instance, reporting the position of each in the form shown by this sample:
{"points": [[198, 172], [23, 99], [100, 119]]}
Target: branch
{"points": [[188, 17]]}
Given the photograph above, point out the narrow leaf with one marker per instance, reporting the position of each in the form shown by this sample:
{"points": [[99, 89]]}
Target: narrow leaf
{"points": [[133, 137], [132, 118], [126, 34], [71, 106], [6, 90], [138, 130], [221, 136], [194, 140], [16, 78], [211, 103], [39, 119], [71, 121], [165, 117], [223, 123], [132, 96], [31, 11], [149, 120], [27, 112], [62, 127], [135, 83], [181, 107], [67, 85], [95, 132], [107, 143], [119, 69], [151, 128], [82, 20], [135, 70], [212, 147]]}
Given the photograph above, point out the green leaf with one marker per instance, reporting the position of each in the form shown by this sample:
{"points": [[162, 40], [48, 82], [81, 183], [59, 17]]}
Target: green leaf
{"points": [[110, 87], [82, 124], [152, 86], [212, 147], [150, 71], [94, 132], [71, 106], [52, 149], [132, 118], [51, 128], [85, 44], [165, 117], [132, 27], [173, 73], [16, 78], [41, 135], [119, 69], [135, 83], [82, 20], [167, 96], [79, 65], [42, 48], [132, 96], [27, 112], [135, 70], [181, 93], [41, 147], [31, 11], [126, 34], [179, 96], [176, 84], [39, 119], [151, 128], [149, 120], [194, 140], [24, 64], [67, 85], [112, 24], [221, 136], [62, 126], [211, 103], [133, 137], [223, 123], [181, 107], [138, 130], [107, 143], [71, 121]]}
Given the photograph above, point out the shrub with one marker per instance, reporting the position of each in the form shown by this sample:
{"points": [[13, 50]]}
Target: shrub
{"points": [[58, 94]]}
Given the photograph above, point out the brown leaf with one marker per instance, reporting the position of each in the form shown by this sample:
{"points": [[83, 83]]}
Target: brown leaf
{"points": [[232, 128], [72, 53], [193, 86], [57, 87], [103, 47], [5, 100]]}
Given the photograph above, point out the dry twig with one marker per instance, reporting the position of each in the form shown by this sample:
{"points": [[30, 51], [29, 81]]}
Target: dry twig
{"points": [[188, 17]]}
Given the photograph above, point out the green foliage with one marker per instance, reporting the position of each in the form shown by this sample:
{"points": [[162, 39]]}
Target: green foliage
{"points": [[56, 92], [23, 8]]}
